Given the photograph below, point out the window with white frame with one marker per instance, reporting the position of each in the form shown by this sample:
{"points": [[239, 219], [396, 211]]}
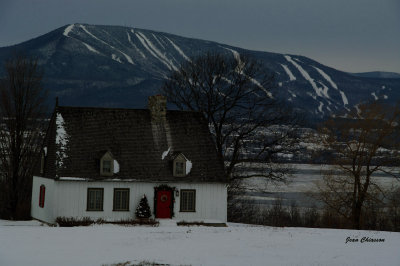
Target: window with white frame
{"points": [[179, 168], [107, 164], [121, 199], [95, 198], [188, 200]]}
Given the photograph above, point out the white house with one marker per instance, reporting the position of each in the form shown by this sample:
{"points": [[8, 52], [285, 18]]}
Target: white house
{"points": [[99, 162]]}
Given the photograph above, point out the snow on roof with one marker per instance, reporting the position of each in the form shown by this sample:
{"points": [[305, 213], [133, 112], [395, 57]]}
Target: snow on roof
{"points": [[116, 167], [80, 139], [165, 153], [188, 166], [61, 140], [65, 178]]}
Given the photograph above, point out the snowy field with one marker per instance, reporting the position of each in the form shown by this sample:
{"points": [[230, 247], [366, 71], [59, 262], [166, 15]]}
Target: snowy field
{"points": [[28, 243]]}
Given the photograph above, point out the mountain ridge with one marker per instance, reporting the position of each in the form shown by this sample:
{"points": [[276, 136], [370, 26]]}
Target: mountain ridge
{"points": [[378, 74], [117, 66]]}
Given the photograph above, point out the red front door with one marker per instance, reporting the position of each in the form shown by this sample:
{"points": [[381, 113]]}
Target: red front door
{"points": [[163, 204]]}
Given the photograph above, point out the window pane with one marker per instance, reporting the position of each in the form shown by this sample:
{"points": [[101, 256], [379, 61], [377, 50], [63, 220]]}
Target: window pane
{"points": [[117, 200], [91, 199], [121, 199], [98, 200], [188, 200], [106, 166], [95, 199], [179, 168], [124, 200]]}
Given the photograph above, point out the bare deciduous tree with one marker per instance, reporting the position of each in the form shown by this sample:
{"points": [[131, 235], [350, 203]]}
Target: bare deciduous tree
{"points": [[363, 144], [234, 95], [22, 113]]}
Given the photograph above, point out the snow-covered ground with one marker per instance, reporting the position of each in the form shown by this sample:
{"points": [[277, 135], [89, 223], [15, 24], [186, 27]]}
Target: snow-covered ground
{"points": [[28, 243]]}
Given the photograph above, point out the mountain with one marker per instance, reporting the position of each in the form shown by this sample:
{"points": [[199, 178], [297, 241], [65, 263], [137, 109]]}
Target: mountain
{"points": [[378, 74], [113, 66]]}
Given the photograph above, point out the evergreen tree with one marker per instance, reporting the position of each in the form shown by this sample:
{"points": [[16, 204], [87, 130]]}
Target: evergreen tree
{"points": [[143, 209]]}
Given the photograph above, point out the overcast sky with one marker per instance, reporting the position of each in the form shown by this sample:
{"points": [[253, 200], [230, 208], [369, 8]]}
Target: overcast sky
{"points": [[350, 35]]}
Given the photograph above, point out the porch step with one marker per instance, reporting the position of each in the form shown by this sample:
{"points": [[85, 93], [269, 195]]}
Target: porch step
{"points": [[167, 222]]}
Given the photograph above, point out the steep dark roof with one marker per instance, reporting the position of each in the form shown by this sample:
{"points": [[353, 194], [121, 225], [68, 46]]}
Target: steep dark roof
{"points": [[134, 140]]}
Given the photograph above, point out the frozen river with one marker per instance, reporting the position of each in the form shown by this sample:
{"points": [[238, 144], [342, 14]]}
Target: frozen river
{"points": [[300, 184]]}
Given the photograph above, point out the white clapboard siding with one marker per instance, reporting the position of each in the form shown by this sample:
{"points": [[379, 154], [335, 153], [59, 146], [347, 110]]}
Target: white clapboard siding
{"points": [[46, 213], [70, 200]]}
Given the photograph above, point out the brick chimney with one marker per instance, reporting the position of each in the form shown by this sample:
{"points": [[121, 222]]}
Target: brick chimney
{"points": [[158, 108]]}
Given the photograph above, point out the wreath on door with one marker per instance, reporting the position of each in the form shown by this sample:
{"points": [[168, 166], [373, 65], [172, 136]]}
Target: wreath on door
{"points": [[164, 198]]}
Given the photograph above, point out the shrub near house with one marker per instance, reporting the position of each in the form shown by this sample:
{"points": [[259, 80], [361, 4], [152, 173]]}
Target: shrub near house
{"points": [[99, 162]]}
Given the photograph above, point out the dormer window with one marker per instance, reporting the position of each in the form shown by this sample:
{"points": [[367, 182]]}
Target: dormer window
{"points": [[181, 165], [179, 168], [107, 164]]}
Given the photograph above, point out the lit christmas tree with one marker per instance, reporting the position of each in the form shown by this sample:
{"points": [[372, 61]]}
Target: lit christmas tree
{"points": [[143, 209]]}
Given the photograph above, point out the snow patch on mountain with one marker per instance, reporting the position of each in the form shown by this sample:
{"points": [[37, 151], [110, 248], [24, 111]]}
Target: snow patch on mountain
{"points": [[154, 51], [143, 42], [344, 98], [325, 88], [179, 50], [134, 46], [358, 110], [68, 29], [90, 48], [235, 53], [291, 93], [288, 72], [333, 84], [128, 58], [155, 38], [327, 77], [311, 95], [116, 58], [321, 105], [158, 52], [269, 94], [320, 92]]}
